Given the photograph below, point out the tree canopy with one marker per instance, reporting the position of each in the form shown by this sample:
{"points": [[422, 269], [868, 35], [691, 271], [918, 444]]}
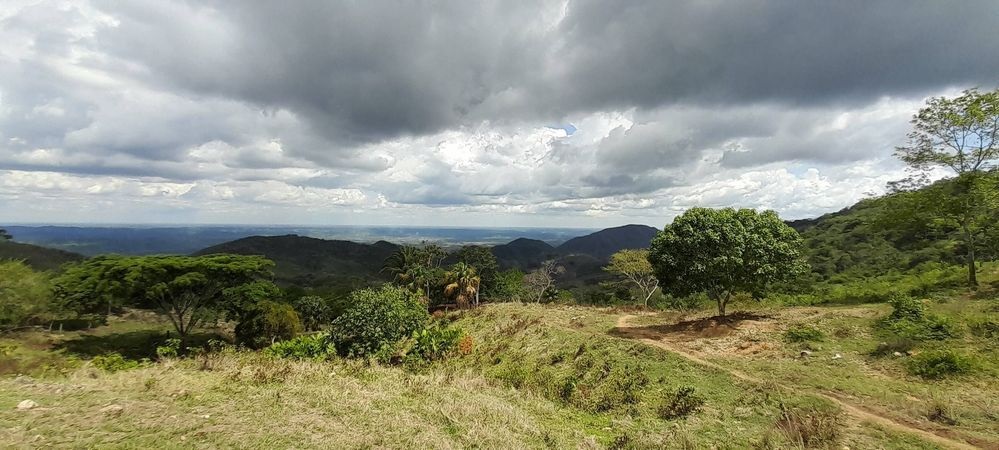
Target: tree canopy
{"points": [[724, 251], [634, 265], [185, 288], [959, 134]]}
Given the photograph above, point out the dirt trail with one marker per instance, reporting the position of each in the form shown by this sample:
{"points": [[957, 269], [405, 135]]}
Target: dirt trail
{"points": [[651, 337]]}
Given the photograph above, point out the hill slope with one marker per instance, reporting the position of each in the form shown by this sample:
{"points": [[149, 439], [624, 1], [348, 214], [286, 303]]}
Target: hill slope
{"points": [[604, 243], [523, 253], [39, 258], [310, 261]]}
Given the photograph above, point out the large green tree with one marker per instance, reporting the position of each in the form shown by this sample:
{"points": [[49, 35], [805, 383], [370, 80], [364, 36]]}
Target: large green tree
{"points": [[417, 268], [958, 134], [724, 251], [185, 288]]}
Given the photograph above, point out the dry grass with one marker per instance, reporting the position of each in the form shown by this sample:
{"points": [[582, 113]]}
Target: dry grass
{"points": [[248, 401]]}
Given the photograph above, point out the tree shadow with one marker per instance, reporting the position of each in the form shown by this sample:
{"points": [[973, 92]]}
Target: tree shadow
{"points": [[133, 345], [707, 327]]}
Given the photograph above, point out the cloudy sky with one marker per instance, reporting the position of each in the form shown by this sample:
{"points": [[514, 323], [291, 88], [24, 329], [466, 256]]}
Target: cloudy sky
{"points": [[547, 113]]}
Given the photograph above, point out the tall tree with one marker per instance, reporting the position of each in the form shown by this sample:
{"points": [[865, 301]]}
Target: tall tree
{"points": [[959, 134], [634, 265], [725, 251], [463, 284], [482, 259]]}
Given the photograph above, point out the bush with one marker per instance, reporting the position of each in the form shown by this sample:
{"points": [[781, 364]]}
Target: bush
{"points": [[378, 318], [910, 320], [169, 349], [314, 311], [803, 333], [266, 322], [939, 364], [905, 308], [25, 295], [680, 403], [312, 346], [113, 362], [433, 343]]}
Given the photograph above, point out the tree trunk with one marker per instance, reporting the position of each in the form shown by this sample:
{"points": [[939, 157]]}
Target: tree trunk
{"points": [[721, 306], [969, 240]]}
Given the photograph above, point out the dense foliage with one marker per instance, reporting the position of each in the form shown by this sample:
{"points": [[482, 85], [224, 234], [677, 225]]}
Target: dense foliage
{"points": [[725, 251], [188, 289], [266, 322], [376, 318], [25, 295]]}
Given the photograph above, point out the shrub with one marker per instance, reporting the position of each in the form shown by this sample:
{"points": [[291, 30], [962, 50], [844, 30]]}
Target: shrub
{"points": [[377, 318], [314, 311], [266, 322], [311, 346], [169, 349], [680, 403], [113, 362], [910, 320], [466, 345], [25, 295], [811, 426], [905, 308], [433, 343], [938, 364], [803, 333]]}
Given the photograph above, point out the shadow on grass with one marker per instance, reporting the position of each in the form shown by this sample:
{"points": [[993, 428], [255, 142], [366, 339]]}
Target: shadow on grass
{"points": [[707, 327], [131, 345]]}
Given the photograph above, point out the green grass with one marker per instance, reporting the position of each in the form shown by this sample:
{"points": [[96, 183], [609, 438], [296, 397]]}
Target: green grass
{"points": [[537, 377]]}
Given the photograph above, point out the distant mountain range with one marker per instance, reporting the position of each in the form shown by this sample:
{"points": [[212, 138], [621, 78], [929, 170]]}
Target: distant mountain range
{"points": [[310, 261]]}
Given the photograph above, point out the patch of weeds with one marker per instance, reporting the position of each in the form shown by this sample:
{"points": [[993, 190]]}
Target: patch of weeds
{"points": [[312, 346], [169, 349], [113, 362], [810, 426], [986, 327], [942, 413], [803, 333], [680, 403], [939, 364]]}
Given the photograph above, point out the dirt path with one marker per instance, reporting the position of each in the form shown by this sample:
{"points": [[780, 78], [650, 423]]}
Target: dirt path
{"points": [[653, 338]]}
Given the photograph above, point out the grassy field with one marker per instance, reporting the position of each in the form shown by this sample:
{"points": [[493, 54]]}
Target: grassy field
{"points": [[537, 377]]}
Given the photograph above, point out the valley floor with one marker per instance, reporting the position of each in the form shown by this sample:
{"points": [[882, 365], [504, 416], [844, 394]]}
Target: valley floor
{"points": [[538, 377]]}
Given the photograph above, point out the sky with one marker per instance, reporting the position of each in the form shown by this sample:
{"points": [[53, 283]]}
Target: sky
{"points": [[456, 113]]}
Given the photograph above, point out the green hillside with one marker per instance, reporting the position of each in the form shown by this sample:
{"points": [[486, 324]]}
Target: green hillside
{"points": [[39, 258]]}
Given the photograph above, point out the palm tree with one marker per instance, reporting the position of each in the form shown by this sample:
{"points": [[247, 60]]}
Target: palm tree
{"points": [[463, 284], [401, 265]]}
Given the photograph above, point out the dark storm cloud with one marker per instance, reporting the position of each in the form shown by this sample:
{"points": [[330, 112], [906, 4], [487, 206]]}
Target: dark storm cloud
{"points": [[365, 71]]}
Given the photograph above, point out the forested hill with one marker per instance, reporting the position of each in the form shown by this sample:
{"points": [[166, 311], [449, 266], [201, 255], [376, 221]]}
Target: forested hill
{"points": [[604, 243], [858, 242], [39, 258], [310, 261]]}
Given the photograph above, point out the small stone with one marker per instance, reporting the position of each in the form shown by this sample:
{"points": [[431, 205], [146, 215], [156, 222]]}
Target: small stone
{"points": [[897, 354], [805, 353], [26, 405], [206, 416], [112, 410], [837, 356]]}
